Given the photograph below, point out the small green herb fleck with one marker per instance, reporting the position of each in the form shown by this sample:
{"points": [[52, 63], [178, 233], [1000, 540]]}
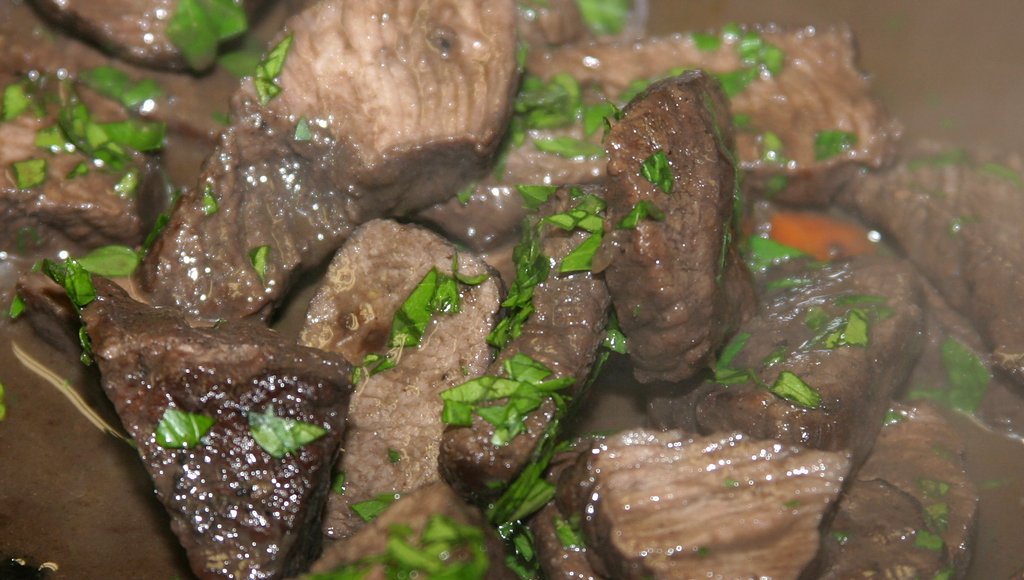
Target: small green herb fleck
{"points": [[766, 252], [258, 259], [937, 517], [840, 536], [792, 388], [967, 376], [302, 132], [369, 510], [657, 170], [338, 485], [568, 534], [771, 149], [605, 16], [731, 483], [197, 26], [111, 261], [394, 456], [15, 101], [933, 488], [829, 144], [115, 84], [126, 186], [735, 82], [642, 210], [893, 417], [791, 504], [614, 339], [928, 541], [280, 436], [29, 173], [532, 268], [597, 116], [181, 429], [535, 196], [17, 307], [210, 205], [706, 42], [240, 63], [569, 147], [435, 293], [1002, 172], [78, 170], [269, 68], [75, 279]]}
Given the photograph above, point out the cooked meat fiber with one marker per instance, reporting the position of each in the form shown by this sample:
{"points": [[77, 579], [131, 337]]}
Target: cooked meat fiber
{"points": [[661, 505], [911, 510], [563, 333], [957, 219], [405, 103], [134, 30], [677, 284], [818, 89], [415, 511], [850, 335], [239, 511], [394, 429]]}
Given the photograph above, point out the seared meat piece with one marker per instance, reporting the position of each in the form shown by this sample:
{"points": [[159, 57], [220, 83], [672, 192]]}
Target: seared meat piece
{"points": [[551, 23], [678, 285], [135, 30], [404, 102], [910, 512], [563, 333], [820, 363], [817, 90], [77, 200], [657, 504], [471, 539], [957, 220], [49, 312], [245, 499], [394, 431]]}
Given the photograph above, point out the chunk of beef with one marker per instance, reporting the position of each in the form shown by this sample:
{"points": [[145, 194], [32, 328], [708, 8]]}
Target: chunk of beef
{"points": [[820, 363], [563, 333], [395, 427], [48, 310], [818, 89], [243, 507], [911, 510], [134, 30], [553, 23], [78, 200], [370, 550], [661, 505], [404, 101], [956, 218], [678, 285]]}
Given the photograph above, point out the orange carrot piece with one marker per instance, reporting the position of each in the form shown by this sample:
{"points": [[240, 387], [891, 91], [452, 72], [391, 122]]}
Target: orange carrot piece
{"points": [[823, 236]]}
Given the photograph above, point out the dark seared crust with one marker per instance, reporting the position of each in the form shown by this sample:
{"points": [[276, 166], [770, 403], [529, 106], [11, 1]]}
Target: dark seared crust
{"points": [[675, 293], [403, 110], [563, 333], [819, 89], [398, 410], [959, 224], [238, 511], [644, 500], [856, 383]]}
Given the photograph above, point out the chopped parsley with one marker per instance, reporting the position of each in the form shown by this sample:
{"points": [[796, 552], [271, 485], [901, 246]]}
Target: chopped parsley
{"points": [[792, 388], [280, 436], [369, 510], [15, 101], [642, 210], [29, 173], [772, 149], [706, 42], [568, 533], [928, 540], [893, 417], [535, 196], [724, 372], [569, 147], [966, 375], [77, 284], [435, 293], [937, 517], [338, 484], [258, 259], [210, 205], [1002, 172], [265, 79], [586, 216], [657, 170], [614, 339], [111, 261], [933, 488], [182, 430], [766, 252], [198, 26], [829, 144], [17, 307], [605, 16], [302, 132], [532, 268], [394, 456], [115, 84]]}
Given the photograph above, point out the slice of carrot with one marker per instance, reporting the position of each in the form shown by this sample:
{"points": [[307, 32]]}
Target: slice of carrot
{"points": [[823, 236]]}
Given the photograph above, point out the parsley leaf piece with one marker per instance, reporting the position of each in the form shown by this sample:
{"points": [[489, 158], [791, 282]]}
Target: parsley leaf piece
{"points": [[29, 173], [928, 541], [967, 374], [158, 228], [1002, 172], [605, 16], [394, 456], [74, 278], [112, 261], [267, 70], [78, 170], [126, 186], [197, 26], [657, 170], [792, 388], [706, 42], [596, 116], [181, 429], [766, 252], [302, 132], [735, 82], [642, 210], [569, 147], [240, 63], [829, 144], [937, 517], [435, 293], [373, 363], [15, 101], [115, 84], [529, 491], [338, 484], [581, 258], [933, 488], [725, 373], [535, 196], [771, 149], [568, 535], [532, 268], [258, 259], [280, 436], [548, 104], [614, 339], [369, 510], [210, 205], [17, 307]]}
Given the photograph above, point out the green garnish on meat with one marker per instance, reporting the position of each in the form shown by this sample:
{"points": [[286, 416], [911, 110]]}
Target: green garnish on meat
{"points": [[280, 436], [29, 173], [829, 144], [198, 26], [369, 510], [265, 79], [657, 170], [182, 430]]}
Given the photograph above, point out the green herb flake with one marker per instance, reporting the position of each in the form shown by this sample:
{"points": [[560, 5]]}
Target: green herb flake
{"points": [[568, 534], [607, 17], [657, 170], [126, 186], [17, 307], [928, 541], [269, 68], [1002, 172], [532, 268], [725, 373], [240, 63], [338, 483], [182, 430], [29, 173], [115, 84], [15, 101], [280, 436], [111, 261], [78, 170], [840, 536], [706, 42], [435, 293], [258, 259], [766, 252], [535, 196], [466, 193], [792, 388], [937, 517], [829, 144], [893, 417], [792, 504], [302, 132], [614, 339], [581, 258], [771, 149], [735, 82], [967, 376], [731, 483], [933, 488], [210, 205], [596, 116], [75, 279], [569, 147], [369, 510], [198, 26], [944, 574], [394, 456], [641, 210]]}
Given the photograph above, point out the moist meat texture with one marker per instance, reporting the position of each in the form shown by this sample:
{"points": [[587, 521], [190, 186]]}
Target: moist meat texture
{"points": [[957, 218], [394, 430], [850, 336], [563, 333], [661, 505], [239, 511], [817, 89], [677, 284], [402, 111]]}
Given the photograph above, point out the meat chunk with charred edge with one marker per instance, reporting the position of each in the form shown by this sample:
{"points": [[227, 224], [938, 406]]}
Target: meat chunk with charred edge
{"points": [[394, 430], [240, 509], [563, 334], [404, 102], [644, 500], [820, 363], [678, 285], [957, 219]]}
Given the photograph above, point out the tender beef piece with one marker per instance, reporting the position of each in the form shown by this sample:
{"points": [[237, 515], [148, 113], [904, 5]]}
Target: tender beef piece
{"points": [[661, 505], [402, 110], [134, 30], [238, 511], [678, 285], [818, 89], [956, 218], [398, 410], [63, 212], [563, 333], [415, 510], [792, 333], [49, 312], [552, 23]]}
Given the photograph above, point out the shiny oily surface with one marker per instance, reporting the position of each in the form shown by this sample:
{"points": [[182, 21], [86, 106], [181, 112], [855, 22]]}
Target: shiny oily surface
{"points": [[76, 497]]}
